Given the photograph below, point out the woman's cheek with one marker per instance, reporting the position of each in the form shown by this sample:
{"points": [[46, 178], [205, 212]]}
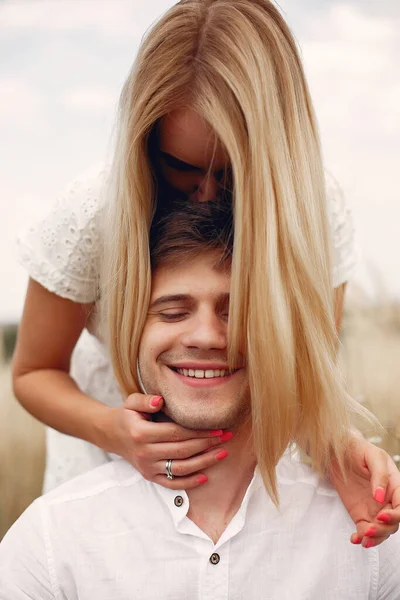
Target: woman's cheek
{"points": [[183, 182]]}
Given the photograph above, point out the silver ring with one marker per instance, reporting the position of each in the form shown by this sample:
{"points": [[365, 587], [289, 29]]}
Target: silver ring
{"points": [[168, 471]]}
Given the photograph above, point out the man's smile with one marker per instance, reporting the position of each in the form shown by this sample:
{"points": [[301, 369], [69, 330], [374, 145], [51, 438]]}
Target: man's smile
{"points": [[202, 375]]}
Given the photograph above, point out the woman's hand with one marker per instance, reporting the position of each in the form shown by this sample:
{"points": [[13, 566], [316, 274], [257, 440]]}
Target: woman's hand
{"points": [[371, 492], [148, 445]]}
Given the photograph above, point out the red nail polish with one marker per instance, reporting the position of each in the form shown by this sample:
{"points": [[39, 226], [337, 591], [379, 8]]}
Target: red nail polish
{"points": [[222, 454], [380, 495], [202, 479], [369, 544], [370, 532], [357, 540], [384, 517], [225, 437], [216, 432], [155, 401]]}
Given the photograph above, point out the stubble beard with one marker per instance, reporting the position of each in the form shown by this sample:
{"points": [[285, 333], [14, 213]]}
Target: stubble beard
{"points": [[202, 416]]}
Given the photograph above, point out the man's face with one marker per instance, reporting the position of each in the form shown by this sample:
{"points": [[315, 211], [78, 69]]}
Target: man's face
{"points": [[183, 349]]}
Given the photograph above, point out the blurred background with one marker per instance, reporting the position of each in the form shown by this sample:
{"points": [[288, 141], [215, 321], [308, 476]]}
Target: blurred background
{"points": [[63, 65]]}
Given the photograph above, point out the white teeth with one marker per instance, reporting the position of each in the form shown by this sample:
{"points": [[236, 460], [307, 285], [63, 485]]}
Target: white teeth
{"points": [[201, 374]]}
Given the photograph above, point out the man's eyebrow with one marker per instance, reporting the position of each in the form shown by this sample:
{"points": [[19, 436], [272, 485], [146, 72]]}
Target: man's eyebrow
{"points": [[222, 300], [170, 298], [178, 162]]}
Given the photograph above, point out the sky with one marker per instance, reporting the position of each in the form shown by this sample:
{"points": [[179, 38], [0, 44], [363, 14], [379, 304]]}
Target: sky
{"points": [[62, 68]]}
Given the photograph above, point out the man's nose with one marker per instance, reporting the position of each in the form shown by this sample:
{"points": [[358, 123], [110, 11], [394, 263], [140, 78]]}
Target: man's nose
{"points": [[207, 189], [206, 333]]}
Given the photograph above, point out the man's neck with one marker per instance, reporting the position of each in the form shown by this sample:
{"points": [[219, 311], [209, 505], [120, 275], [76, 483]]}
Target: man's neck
{"points": [[215, 503]]}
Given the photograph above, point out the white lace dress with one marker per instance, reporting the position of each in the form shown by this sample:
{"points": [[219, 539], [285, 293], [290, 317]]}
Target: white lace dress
{"points": [[62, 253]]}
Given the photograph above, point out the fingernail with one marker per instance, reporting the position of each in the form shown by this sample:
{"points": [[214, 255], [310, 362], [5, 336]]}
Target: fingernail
{"points": [[384, 517], [202, 479], [155, 401], [225, 437], [380, 495], [222, 454], [369, 544], [216, 432], [357, 540], [370, 532]]}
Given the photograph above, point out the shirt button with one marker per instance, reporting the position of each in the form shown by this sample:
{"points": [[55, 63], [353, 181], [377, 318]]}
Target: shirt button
{"points": [[178, 501], [214, 558]]}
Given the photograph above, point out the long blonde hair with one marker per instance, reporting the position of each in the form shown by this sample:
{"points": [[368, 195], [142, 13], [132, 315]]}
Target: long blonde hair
{"points": [[236, 64]]}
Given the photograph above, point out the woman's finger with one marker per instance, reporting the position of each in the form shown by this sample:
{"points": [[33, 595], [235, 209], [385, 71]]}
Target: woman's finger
{"points": [[377, 462], [148, 432], [369, 542], [378, 530], [393, 490], [355, 539], [146, 403], [183, 468], [180, 450], [384, 530], [389, 516], [181, 483]]}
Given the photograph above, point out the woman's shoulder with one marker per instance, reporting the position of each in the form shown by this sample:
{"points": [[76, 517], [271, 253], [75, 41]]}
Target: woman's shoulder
{"points": [[338, 207], [85, 196], [342, 231], [62, 251]]}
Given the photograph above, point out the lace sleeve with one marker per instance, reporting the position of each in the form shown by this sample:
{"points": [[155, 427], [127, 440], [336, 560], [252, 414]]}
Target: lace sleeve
{"points": [[344, 248], [62, 251]]}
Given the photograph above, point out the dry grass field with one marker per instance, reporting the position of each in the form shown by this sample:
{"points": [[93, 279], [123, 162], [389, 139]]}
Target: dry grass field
{"points": [[370, 357], [371, 362], [21, 455]]}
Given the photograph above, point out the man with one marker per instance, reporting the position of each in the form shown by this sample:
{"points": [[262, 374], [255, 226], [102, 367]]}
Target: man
{"points": [[112, 534]]}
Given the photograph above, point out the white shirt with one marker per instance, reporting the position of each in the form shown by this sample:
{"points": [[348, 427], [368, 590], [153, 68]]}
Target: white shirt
{"points": [[111, 535], [63, 253]]}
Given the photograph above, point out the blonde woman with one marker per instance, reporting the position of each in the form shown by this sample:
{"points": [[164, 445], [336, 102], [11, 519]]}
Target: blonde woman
{"points": [[216, 105]]}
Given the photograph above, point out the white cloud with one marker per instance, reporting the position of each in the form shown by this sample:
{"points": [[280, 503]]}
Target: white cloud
{"points": [[353, 70], [106, 17], [54, 16], [19, 100], [351, 24], [89, 99]]}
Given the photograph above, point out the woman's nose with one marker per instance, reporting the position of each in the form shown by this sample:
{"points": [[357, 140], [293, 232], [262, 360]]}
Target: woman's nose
{"points": [[207, 189]]}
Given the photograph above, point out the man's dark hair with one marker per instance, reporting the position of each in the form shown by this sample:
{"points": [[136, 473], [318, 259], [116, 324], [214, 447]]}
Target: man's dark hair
{"points": [[185, 229]]}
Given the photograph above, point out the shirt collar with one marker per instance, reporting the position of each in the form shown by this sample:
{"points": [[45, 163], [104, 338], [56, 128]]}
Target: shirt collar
{"points": [[177, 502]]}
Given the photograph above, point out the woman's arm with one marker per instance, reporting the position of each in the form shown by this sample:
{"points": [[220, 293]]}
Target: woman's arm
{"points": [[371, 492], [48, 332]]}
